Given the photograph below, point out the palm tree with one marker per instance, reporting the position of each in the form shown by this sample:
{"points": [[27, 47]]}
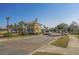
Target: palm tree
{"points": [[15, 28], [46, 28], [7, 18], [21, 27], [10, 27]]}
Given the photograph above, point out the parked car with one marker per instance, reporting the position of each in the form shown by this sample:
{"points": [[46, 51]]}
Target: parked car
{"points": [[56, 34], [47, 33]]}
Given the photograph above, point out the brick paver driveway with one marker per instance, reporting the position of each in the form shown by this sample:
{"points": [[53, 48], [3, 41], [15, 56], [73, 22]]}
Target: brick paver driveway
{"points": [[24, 46]]}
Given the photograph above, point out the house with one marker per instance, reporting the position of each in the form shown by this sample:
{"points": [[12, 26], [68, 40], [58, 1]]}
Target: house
{"points": [[34, 27]]}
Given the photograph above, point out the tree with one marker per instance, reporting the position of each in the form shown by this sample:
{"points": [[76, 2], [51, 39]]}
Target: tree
{"points": [[61, 28], [15, 28], [10, 28], [21, 27], [8, 18], [73, 27], [52, 30], [45, 28], [36, 20]]}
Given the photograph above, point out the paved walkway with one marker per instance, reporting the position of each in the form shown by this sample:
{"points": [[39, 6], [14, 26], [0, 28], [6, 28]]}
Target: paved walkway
{"points": [[72, 49], [73, 42], [73, 46]]}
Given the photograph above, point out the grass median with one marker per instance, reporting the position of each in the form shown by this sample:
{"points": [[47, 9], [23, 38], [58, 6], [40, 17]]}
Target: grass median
{"points": [[61, 42]]}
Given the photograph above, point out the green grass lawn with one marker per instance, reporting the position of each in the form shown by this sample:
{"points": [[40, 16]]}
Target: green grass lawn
{"points": [[2, 32], [61, 42], [45, 53]]}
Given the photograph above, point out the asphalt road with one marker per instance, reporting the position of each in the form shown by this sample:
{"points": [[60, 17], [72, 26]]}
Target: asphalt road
{"points": [[24, 46]]}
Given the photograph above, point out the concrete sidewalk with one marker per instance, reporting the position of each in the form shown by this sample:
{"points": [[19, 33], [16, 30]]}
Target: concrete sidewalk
{"points": [[73, 46]]}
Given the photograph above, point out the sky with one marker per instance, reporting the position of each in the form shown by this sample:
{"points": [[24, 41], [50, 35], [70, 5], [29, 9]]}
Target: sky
{"points": [[50, 14]]}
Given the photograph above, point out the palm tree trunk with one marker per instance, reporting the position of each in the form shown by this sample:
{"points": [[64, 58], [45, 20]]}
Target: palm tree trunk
{"points": [[8, 27]]}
